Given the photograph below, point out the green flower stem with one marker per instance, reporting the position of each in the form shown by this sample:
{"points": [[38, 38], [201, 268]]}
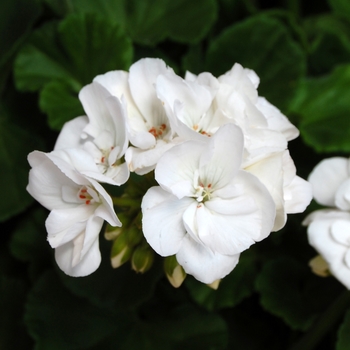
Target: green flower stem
{"points": [[126, 202], [325, 322]]}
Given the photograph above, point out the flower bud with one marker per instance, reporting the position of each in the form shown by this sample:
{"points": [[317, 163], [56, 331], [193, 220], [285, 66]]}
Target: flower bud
{"points": [[142, 258], [319, 266], [174, 271], [214, 285], [121, 251], [134, 236], [111, 233]]}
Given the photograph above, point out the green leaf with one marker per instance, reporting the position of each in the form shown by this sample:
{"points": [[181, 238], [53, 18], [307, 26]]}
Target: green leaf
{"points": [[15, 144], [182, 327], [15, 26], [58, 320], [343, 342], [270, 52], [330, 43], [61, 58], [109, 287], [12, 332], [29, 244], [149, 22], [59, 100], [289, 290], [340, 7], [235, 287], [75, 50], [323, 105]]}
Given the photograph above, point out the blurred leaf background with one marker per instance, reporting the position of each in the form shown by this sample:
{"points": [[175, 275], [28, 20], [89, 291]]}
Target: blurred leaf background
{"points": [[50, 49]]}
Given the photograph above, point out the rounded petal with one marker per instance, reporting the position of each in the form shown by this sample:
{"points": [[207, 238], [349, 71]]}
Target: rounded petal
{"points": [[297, 195], [222, 156], [326, 177], [162, 220], [202, 263], [64, 256], [175, 170], [70, 135], [342, 195], [142, 79]]}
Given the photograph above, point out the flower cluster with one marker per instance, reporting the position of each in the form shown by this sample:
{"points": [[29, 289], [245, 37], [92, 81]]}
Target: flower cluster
{"points": [[220, 158], [329, 229]]}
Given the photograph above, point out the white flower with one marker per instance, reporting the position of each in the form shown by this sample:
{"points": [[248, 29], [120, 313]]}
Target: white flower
{"points": [[329, 229], [206, 210], [64, 181], [149, 127], [102, 133], [291, 193]]}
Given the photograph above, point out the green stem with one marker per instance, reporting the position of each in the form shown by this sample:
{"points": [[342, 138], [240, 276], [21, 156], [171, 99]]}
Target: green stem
{"points": [[325, 322], [126, 202]]}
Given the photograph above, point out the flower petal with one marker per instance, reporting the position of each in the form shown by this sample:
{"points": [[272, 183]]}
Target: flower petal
{"points": [[162, 220], [326, 177], [202, 263]]}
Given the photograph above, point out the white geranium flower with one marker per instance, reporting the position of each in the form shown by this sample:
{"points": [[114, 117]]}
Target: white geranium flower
{"points": [[102, 133], [149, 128], [291, 193], [329, 229], [206, 210], [64, 181]]}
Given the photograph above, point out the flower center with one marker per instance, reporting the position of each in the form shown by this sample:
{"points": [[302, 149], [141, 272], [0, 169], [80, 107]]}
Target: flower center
{"points": [[202, 191], [200, 131], [157, 131], [86, 196]]}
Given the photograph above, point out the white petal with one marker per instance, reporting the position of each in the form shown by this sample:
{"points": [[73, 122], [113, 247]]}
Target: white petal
{"points": [[70, 135], [300, 195], [228, 234], [175, 169], [326, 177], [222, 156], [144, 161], [162, 220], [93, 98], [203, 264], [89, 263], [342, 195], [142, 78], [340, 231], [46, 180]]}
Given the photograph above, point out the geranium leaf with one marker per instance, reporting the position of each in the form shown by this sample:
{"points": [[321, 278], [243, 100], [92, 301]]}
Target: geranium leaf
{"points": [[181, 327], [108, 286], [270, 51], [340, 7], [59, 320], [330, 42], [149, 22], [15, 144], [323, 105], [343, 342], [59, 100], [289, 290]]}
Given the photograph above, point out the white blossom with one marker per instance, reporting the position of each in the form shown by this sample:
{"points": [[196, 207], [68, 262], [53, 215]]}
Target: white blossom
{"points": [[206, 210], [329, 229], [102, 132], [65, 182]]}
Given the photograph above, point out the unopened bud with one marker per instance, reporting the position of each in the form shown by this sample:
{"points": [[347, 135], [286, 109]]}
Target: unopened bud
{"points": [[319, 266], [111, 233], [142, 258], [121, 251], [214, 285], [174, 271], [134, 236]]}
